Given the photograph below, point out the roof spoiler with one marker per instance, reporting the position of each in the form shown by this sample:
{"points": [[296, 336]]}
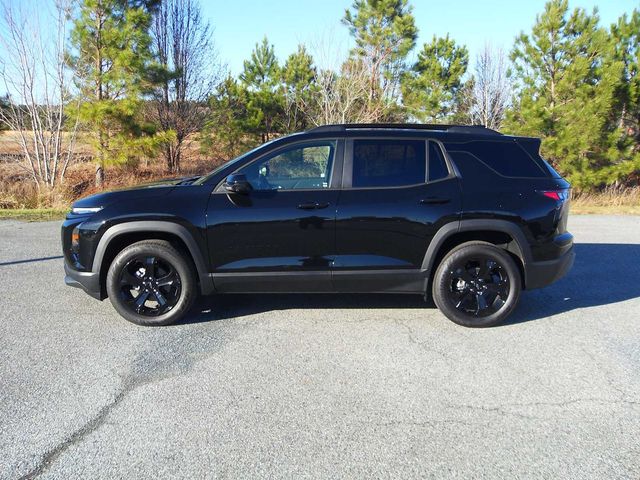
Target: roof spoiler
{"points": [[530, 144]]}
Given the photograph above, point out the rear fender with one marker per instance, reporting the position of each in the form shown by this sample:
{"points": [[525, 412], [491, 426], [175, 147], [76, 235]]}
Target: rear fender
{"points": [[479, 225]]}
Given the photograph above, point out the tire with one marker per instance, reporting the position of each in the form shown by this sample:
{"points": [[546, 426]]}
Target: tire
{"points": [[477, 285], [151, 283]]}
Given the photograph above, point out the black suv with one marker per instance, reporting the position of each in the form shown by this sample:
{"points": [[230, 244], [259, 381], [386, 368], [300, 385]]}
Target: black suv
{"points": [[465, 214]]}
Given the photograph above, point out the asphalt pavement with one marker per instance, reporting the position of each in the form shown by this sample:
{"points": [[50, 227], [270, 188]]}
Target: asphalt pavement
{"points": [[304, 386]]}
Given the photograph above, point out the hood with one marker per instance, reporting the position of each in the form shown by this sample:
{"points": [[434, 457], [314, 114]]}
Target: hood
{"points": [[154, 189]]}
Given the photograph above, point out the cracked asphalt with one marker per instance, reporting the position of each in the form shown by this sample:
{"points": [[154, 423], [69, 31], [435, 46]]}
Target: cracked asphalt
{"points": [[302, 386]]}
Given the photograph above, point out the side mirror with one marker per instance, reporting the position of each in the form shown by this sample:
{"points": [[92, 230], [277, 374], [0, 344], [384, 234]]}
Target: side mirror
{"points": [[237, 183]]}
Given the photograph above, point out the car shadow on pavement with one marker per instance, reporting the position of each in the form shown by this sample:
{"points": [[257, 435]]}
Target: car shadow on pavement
{"points": [[603, 273], [222, 307], [30, 260]]}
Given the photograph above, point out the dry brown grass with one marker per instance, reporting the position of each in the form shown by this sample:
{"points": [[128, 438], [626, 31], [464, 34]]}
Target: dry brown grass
{"points": [[20, 193], [10, 143], [17, 191], [611, 200]]}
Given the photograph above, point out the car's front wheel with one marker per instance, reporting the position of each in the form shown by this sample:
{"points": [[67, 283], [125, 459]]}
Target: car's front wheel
{"points": [[151, 283], [477, 285]]}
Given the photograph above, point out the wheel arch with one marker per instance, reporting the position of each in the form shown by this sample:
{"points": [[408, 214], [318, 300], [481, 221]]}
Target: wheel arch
{"points": [[507, 235], [119, 236]]}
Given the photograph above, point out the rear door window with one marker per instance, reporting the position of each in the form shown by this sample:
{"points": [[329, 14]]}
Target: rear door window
{"points": [[388, 163]]}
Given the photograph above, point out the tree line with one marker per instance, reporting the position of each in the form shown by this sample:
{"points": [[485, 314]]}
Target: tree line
{"points": [[137, 78]]}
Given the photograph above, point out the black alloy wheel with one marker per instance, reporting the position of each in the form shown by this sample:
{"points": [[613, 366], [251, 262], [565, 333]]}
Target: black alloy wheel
{"points": [[149, 285], [477, 285], [152, 283]]}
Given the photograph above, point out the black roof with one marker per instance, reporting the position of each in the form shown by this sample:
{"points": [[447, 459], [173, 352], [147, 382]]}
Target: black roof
{"points": [[473, 129]]}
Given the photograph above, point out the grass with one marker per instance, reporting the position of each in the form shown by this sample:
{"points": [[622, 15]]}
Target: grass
{"points": [[610, 201], [33, 214], [586, 209]]}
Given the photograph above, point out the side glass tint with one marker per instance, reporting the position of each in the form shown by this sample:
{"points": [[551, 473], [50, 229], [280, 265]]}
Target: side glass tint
{"points": [[437, 164], [505, 157], [303, 167], [388, 163]]}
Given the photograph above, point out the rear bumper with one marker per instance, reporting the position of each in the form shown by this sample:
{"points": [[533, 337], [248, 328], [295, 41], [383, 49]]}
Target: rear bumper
{"points": [[541, 274], [87, 281]]}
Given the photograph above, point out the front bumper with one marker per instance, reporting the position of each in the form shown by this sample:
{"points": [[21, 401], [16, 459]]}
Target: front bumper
{"points": [[87, 281], [541, 274]]}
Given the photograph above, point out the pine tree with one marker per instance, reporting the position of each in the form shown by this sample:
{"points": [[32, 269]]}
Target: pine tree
{"points": [[113, 64], [298, 76], [262, 78], [430, 90], [626, 39], [385, 33], [567, 79], [233, 119]]}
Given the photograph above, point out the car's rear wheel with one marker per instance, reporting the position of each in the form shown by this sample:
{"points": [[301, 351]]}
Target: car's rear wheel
{"points": [[151, 283], [477, 285]]}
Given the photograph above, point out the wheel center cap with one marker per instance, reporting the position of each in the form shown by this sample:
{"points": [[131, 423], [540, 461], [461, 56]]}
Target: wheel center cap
{"points": [[478, 285]]}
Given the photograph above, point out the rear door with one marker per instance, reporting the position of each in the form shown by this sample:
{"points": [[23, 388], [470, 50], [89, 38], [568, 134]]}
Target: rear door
{"points": [[396, 194]]}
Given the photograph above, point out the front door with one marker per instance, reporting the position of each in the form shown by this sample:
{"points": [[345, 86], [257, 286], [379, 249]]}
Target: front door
{"points": [[281, 235]]}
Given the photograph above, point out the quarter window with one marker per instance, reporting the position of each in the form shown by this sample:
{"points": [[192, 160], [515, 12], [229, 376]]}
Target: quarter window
{"points": [[437, 165], [303, 167], [506, 158], [388, 163]]}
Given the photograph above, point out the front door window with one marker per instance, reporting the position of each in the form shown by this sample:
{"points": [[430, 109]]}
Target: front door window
{"points": [[302, 167]]}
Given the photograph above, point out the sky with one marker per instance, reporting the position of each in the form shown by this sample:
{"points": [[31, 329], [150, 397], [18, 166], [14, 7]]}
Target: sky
{"points": [[239, 24]]}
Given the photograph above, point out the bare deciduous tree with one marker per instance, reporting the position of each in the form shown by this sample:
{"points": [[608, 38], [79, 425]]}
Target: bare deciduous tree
{"points": [[340, 97], [36, 81], [183, 45], [491, 89], [342, 88]]}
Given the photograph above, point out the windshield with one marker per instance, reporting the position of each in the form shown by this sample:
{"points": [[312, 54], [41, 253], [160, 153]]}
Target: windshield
{"points": [[206, 177]]}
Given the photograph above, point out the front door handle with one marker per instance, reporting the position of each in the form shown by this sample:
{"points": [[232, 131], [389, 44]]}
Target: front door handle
{"points": [[313, 205], [434, 201]]}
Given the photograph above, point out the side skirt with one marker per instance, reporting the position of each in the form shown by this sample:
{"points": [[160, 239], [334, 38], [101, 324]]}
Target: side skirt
{"points": [[345, 281]]}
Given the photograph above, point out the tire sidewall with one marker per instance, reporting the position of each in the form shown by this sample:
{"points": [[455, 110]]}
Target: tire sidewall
{"points": [[167, 254], [440, 289]]}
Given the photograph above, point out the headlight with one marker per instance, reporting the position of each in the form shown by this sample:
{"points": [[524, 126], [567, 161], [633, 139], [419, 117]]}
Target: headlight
{"points": [[85, 210]]}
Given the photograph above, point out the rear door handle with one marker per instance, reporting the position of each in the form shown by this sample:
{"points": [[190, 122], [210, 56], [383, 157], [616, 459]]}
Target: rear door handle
{"points": [[307, 206], [434, 201], [312, 205]]}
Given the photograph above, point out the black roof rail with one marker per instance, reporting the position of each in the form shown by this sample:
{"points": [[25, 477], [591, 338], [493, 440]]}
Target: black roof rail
{"points": [[481, 129], [453, 128]]}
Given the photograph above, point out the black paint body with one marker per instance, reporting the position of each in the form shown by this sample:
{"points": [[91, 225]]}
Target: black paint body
{"points": [[337, 238]]}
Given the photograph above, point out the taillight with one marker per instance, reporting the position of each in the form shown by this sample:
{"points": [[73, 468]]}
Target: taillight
{"points": [[557, 195]]}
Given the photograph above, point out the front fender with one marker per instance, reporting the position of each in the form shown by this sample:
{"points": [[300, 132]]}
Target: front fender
{"points": [[113, 232]]}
